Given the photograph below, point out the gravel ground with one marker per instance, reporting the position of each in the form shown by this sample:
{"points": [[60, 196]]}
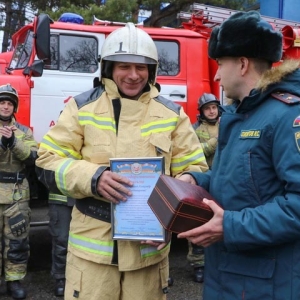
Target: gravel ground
{"points": [[40, 285]]}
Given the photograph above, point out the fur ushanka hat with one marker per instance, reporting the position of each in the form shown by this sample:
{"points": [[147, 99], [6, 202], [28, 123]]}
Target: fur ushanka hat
{"points": [[246, 34]]}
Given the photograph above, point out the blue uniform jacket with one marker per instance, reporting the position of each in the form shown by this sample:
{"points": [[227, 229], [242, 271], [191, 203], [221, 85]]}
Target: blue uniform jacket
{"points": [[255, 177]]}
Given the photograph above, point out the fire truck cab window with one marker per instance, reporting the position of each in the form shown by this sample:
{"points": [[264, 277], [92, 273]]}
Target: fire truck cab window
{"points": [[168, 57], [22, 51], [71, 53]]}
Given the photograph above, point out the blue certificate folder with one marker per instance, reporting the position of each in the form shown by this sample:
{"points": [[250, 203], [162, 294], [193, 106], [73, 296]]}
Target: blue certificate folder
{"points": [[134, 219]]}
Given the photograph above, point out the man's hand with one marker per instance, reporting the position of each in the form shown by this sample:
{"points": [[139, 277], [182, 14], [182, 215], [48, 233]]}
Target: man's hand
{"points": [[7, 131], [8, 136], [112, 187], [210, 232], [187, 178]]}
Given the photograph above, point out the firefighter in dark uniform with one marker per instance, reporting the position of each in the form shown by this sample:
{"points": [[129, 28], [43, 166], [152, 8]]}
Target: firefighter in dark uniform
{"points": [[18, 150], [60, 210]]}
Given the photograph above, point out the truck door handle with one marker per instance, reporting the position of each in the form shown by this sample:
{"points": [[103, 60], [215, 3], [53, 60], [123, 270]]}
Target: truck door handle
{"points": [[177, 95]]}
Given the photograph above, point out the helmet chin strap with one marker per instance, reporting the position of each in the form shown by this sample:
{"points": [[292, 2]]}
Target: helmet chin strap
{"points": [[5, 119], [211, 121], [214, 121]]}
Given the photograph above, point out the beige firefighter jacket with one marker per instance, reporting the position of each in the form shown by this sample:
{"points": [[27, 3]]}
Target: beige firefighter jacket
{"points": [[75, 152], [14, 160]]}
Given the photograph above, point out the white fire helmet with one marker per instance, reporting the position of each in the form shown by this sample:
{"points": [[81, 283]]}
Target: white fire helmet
{"points": [[129, 44]]}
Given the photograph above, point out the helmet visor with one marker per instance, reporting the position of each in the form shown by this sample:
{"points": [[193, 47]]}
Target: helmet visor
{"points": [[138, 59]]}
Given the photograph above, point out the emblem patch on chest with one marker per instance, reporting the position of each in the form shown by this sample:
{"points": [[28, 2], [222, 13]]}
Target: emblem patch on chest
{"points": [[250, 134], [296, 122]]}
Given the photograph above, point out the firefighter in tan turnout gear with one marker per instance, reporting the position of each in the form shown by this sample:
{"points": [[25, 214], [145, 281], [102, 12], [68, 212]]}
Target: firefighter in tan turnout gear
{"points": [[124, 117], [18, 150]]}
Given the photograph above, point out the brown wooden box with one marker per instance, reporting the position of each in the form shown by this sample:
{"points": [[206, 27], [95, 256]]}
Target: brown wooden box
{"points": [[178, 205]]}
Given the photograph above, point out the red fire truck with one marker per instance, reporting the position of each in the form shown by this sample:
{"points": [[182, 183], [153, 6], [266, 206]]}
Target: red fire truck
{"points": [[52, 61]]}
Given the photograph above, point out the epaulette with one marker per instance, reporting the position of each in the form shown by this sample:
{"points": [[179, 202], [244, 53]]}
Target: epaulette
{"points": [[168, 103], [286, 97], [21, 127], [88, 96]]}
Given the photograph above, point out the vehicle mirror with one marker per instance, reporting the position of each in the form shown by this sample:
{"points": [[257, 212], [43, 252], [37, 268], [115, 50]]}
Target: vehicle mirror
{"points": [[43, 37], [35, 70]]}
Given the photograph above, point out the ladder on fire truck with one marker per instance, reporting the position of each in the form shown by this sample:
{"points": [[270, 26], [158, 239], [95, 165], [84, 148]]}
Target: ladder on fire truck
{"points": [[202, 18]]}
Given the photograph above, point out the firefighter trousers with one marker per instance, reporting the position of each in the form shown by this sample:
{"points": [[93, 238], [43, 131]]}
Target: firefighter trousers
{"points": [[59, 225], [14, 250], [93, 281], [195, 255]]}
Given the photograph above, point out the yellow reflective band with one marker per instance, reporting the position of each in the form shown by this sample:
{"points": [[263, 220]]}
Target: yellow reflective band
{"points": [[30, 143], [48, 144], [20, 136], [159, 126], [86, 118], [147, 251], [57, 197], [202, 134], [204, 145], [179, 164], [60, 175], [89, 245], [12, 276]]}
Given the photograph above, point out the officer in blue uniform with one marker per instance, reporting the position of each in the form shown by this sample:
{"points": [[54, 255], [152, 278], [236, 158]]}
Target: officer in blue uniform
{"points": [[252, 244]]}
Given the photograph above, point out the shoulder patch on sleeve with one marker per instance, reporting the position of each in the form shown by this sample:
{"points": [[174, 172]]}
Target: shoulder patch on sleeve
{"points": [[21, 127], [286, 98]]}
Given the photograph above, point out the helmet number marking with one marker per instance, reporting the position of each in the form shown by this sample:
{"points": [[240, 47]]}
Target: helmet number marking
{"points": [[120, 49]]}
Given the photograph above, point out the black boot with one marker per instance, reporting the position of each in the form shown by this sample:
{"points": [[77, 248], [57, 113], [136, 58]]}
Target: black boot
{"points": [[199, 274], [16, 290], [60, 287], [170, 281]]}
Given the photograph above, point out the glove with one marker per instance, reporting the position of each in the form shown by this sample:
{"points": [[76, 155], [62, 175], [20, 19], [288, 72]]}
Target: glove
{"points": [[8, 142], [16, 220]]}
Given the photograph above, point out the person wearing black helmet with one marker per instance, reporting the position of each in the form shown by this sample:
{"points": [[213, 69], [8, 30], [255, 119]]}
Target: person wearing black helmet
{"points": [[207, 125], [18, 150]]}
